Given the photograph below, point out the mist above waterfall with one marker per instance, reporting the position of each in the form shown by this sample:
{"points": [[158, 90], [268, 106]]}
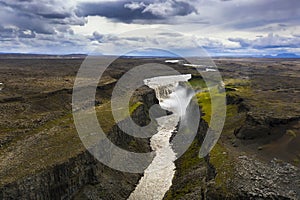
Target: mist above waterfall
{"points": [[175, 97], [172, 95], [178, 100]]}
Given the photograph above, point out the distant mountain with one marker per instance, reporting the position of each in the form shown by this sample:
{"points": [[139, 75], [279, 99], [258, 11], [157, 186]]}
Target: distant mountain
{"points": [[283, 55], [44, 56]]}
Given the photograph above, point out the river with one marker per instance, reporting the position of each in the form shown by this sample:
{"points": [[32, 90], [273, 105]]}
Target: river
{"points": [[158, 176]]}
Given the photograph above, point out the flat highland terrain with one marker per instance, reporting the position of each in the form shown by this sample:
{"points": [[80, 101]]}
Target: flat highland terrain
{"points": [[37, 131]]}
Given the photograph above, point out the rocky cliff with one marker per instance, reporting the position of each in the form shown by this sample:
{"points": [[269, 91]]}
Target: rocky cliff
{"points": [[81, 176], [233, 171]]}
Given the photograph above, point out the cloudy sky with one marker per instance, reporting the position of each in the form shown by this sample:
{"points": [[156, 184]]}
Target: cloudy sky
{"points": [[221, 27]]}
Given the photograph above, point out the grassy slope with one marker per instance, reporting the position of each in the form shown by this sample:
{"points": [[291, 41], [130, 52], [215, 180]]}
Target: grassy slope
{"points": [[219, 156], [50, 144]]}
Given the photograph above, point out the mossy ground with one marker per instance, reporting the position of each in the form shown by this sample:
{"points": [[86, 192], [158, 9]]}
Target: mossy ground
{"points": [[46, 145], [224, 165], [40, 148], [186, 165], [219, 156], [291, 133], [105, 117], [197, 83], [134, 106]]}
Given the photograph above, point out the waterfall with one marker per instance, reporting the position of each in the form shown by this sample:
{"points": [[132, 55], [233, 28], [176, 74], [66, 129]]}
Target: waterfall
{"points": [[158, 176]]}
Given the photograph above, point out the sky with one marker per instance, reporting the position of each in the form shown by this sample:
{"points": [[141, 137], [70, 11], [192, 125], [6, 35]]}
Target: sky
{"points": [[221, 27]]}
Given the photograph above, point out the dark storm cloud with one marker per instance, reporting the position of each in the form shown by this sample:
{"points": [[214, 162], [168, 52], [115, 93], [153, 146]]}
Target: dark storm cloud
{"points": [[36, 17], [54, 15], [6, 33], [48, 24], [128, 11], [245, 15], [35, 8], [113, 10]]}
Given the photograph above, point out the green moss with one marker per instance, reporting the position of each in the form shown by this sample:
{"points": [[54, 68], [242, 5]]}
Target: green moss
{"points": [[205, 103], [186, 164], [46, 146], [181, 192], [233, 120], [190, 158], [59, 121], [232, 110], [133, 144], [237, 82], [239, 87], [54, 142], [197, 83], [105, 117], [296, 161], [52, 139], [134, 106], [291, 133], [224, 166], [219, 157]]}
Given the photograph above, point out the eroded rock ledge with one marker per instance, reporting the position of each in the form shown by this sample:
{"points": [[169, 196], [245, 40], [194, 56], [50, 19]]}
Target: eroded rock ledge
{"points": [[82, 176]]}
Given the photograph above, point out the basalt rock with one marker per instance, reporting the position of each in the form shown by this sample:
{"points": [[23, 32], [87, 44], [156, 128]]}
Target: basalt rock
{"points": [[256, 127], [83, 176]]}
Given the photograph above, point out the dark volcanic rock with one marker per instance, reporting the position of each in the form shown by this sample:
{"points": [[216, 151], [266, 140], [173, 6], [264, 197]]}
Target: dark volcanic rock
{"points": [[64, 180], [274, 180], [260, 126], [82, 176], [247, 132]]}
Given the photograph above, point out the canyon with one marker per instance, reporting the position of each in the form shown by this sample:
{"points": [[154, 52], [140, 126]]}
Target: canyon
{"points": [[42, 157]]}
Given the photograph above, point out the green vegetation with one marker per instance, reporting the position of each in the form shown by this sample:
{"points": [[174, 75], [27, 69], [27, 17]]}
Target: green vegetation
{"points": [[181, 192], [105, 117], [231, 82], [46, 144], [291, 133], [49, 147], [224, 165], [233, 120], [219, 157], [190, 158], [134, 106], [238, 87], [186, 164], [296, 161], [204, 102], [197, 83]]}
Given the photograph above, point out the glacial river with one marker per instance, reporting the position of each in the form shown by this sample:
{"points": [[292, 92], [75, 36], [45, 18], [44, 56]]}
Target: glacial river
{"points": [[158, 176]]}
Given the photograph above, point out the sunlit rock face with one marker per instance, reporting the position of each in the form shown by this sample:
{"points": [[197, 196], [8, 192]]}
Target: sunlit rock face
{"points": [[173, 97]]}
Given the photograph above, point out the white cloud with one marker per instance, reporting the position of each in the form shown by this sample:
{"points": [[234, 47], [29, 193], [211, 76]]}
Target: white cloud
{"points": [[220, 26], [269, 41], [135, 5]]}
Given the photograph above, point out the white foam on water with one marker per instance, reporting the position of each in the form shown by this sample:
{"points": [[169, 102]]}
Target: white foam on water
{"points": [[158, 176]]}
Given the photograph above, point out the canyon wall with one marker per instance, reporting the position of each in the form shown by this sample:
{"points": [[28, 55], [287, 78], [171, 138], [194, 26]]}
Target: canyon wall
{"points": [[82, 176]]}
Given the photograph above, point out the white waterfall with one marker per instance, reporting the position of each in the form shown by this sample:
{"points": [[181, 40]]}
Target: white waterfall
{"points": [[158, 176]]}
